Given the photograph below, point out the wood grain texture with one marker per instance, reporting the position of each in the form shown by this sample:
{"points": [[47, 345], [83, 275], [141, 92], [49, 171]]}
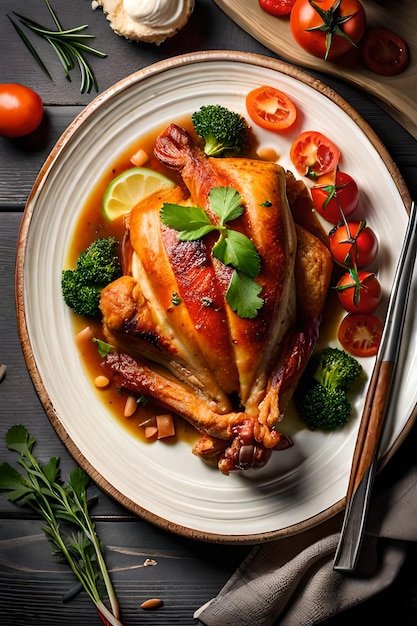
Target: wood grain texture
{"points": [[397, 94]]}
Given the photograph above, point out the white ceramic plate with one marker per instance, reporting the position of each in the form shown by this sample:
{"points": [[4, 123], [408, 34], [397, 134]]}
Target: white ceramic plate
{"points": [[167, 484]]}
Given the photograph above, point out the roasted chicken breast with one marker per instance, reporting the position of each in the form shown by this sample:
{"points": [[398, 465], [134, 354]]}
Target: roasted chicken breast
{"points": [[177, 339]]}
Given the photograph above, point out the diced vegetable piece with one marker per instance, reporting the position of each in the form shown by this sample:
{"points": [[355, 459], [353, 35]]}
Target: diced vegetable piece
{"points": [[166, 426]]}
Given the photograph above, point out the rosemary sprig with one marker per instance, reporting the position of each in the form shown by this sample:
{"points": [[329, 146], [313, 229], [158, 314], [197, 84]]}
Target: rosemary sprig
{"points": [[65, 508], [68, 44]]}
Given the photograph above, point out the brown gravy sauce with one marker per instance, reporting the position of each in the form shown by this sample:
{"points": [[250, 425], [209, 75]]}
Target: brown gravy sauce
{"points": [[90, 226]]}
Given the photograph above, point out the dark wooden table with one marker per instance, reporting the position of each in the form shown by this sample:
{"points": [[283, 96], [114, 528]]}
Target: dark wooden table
{"points": [[188, 573]]}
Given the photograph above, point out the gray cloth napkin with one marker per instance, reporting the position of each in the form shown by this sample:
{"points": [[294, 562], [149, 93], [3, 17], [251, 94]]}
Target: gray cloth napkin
{"points": [[291, 581]]}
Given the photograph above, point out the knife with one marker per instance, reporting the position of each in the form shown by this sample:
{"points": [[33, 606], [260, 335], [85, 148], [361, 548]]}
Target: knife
{"points": [[366, 454]]}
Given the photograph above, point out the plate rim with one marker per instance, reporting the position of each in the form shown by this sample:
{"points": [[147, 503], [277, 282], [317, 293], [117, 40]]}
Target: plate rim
{"points": [[100, 100]]}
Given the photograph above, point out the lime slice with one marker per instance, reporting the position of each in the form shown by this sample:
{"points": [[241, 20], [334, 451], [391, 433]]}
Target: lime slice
{"points": [[129, 188]]}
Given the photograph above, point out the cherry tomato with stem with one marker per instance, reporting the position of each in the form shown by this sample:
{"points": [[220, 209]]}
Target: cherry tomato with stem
{"points": [[337, 198], [328, 28], [271, 108], [277, 8], [353, 244], [360, 334], [21, 110], [384, 52], [314, 155], [359, 291]]}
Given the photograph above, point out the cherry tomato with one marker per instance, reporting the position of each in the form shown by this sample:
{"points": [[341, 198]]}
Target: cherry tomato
{"points": [[353, 244], [327, 28], [333, 197], [359, 291], [360, 335], [21, 110], [270, 108], [384, 52], [277, 7], [313, 154]]}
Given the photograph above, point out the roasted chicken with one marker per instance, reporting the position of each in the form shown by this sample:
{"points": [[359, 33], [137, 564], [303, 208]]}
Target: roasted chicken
{"points": [[176, 337]]}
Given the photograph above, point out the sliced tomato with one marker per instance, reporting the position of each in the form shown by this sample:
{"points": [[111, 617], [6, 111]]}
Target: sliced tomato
{"points": [[334, 197], [360, 334], [354, 244], [359, 292], [384, 52], [270, 108], [314, 155], [277, 7]]}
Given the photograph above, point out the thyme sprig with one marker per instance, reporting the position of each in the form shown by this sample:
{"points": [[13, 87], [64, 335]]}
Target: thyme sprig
{"points": [[65, 508], [68, 44]]}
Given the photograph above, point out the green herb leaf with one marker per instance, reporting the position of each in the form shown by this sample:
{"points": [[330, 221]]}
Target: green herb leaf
{"points": [[243, 295], [238, 251], [232, 248], [42, 489], [192, 222], [18, 440], [226, 203], [68, 45], [30, 47], [10, 479], [103, 348]]}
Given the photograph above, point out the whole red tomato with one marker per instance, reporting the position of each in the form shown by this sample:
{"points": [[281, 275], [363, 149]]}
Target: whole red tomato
{"points": [[353, 244], [21, 110], [327, 28], [359, 292], [336, 197]]}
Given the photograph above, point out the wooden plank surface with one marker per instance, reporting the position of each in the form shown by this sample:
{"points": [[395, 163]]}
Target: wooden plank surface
{"points": [[187, 573]]}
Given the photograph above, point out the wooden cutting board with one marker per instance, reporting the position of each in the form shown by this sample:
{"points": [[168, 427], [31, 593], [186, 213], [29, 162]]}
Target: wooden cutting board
{"points": [[396, 94]]}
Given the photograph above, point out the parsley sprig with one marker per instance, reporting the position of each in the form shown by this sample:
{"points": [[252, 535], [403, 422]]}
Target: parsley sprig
{"points": [[69, 45], [65, 508], [231, 248]]}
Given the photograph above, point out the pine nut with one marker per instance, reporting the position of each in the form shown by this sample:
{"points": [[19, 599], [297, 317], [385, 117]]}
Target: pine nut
{"points": [[101, 381], [130, 406], [152, 603]]}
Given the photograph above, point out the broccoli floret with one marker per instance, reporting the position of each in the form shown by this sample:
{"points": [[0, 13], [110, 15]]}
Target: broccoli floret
{"points": [[223, 131], [96, 267], [336, 369], [324, 409], [321, 396]]}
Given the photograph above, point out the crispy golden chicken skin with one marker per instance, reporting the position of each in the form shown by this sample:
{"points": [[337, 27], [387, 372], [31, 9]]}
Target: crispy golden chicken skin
{"points": [[175, 336]]}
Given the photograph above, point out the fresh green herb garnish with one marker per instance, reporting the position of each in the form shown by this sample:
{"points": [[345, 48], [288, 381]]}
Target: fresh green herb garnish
{"points": [[103, 348], [69, 45], [232, 247], [65, 508]]}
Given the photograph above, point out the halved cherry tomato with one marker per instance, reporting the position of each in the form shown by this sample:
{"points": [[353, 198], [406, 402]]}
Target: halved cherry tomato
{"points": [[384, 52], [334, 197], [21, 110], [270, 108], [360, 335], [359, 292], [353, 244], [328, 28], [313, 154], [277, 7]]}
